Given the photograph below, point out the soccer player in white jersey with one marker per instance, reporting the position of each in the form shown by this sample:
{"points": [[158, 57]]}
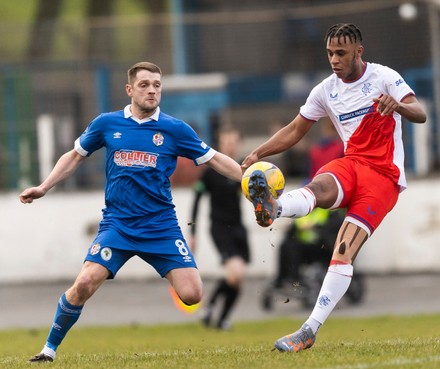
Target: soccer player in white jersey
{"points": [[142, 145], [365, 102]]}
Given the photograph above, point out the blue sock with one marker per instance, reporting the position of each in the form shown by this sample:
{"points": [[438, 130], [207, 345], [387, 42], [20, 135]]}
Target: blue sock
{"points": [[65, 317]]}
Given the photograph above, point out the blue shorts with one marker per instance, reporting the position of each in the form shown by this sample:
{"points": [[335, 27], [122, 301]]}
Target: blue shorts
{"points": [[112, 250]]}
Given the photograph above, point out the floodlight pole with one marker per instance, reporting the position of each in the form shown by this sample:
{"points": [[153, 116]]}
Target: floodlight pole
{"points": [[434, 30], [178, 37]]}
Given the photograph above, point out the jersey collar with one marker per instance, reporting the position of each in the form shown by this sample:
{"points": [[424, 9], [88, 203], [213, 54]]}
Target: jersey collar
{"points": [[129, 114]]}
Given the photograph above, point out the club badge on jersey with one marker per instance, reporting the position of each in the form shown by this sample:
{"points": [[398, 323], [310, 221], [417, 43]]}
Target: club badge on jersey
{"points": [[158, 139]]}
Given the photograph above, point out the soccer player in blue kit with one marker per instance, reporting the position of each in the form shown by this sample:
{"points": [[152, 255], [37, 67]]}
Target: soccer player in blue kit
{"points": [[142, 145]]}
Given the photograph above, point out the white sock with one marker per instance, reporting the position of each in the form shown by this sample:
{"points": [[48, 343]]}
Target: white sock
{"points": [[313, 324], [334, 286], [48, 351], [297, 203]]}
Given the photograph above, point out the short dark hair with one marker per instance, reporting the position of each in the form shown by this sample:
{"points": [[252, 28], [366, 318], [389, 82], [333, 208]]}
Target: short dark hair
{"points": [[132, 72], [344, 31]]}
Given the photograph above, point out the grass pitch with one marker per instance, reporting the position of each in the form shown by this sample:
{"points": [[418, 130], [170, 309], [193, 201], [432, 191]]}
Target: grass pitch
{"points": [[384, 342]]}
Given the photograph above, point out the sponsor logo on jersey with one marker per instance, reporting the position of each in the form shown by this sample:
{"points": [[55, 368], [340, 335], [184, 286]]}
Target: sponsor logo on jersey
{"points": [[158, 139], [333, 96], [356, 113], [106, 253], [117, 135], [366, 89], [95, 249], [136, 159]]}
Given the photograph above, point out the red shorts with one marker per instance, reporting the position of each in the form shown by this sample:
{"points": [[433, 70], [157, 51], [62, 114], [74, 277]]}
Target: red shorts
{"points": [[367, 194]]}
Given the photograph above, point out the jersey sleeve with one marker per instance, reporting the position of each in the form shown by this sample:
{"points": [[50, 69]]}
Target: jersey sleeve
{"points": [[190, 146], [313, 109], [395, 85], [91, 139]]}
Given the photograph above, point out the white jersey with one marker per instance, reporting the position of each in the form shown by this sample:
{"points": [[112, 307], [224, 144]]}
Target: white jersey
{"points": [[368, 137]]}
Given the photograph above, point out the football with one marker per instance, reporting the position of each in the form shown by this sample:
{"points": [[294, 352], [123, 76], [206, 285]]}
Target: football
{"points": [[274, 178]]}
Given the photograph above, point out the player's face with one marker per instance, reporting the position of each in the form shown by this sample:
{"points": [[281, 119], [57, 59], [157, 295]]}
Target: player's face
{"points": [[345, 58], [145, 93], [229, 143]]}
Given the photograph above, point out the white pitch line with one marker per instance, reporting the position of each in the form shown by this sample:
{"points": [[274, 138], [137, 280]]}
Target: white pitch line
{"points": [[398, 363]]}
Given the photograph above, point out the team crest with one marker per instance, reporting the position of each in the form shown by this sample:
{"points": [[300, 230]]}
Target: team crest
{"points": [[95, 249], [366, 89], [106, 253], [324, 300], [158, 139]]}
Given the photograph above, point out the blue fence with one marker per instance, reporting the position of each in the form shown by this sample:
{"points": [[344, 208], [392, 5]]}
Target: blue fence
{"points": [[20, 105]]}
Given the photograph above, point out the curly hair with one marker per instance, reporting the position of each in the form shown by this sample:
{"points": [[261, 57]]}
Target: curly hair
{"points": [[344, 31]]}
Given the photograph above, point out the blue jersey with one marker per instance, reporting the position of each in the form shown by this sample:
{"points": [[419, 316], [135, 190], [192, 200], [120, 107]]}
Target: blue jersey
{"points": [[140, 158]]}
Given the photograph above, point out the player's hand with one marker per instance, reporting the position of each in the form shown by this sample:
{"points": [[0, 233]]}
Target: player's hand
{"points": [[31, 194], [248, 161], [386, 105]]}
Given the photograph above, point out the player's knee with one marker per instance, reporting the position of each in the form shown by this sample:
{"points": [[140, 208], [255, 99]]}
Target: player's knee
{"points": [[348, 246], [191, 296], [191, 300], [235, 278], [235, 271], [83, 289], [234, 281], [325, 190]]}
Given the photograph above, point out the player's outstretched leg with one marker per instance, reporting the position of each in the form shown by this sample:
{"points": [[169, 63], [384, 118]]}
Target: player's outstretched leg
{"points": [[302, 339], [66, 316], [265, 205]]}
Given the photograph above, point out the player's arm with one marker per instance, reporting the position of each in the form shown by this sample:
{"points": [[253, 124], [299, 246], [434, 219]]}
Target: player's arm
{"points": [[409, 108], [226, 166], [282, 140], [65, 166]]}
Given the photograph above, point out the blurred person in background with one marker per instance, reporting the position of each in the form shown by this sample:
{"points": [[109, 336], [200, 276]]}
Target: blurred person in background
{"points": [[186, 173], [142, 145], [227, 231], [365, 102], [307, 246], [327, 147], [310, 239], [294, 163]]}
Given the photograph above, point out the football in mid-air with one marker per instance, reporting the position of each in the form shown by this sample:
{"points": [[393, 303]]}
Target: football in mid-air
{"points": [[274, 178]]}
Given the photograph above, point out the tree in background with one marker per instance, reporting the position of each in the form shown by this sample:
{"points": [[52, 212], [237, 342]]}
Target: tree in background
{"points": [[43, 29]]}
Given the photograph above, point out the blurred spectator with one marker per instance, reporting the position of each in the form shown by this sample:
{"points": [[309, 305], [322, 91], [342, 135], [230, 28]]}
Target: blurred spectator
{"points": [[186, 173], [293, 162], [310, 239], [227, 231], [328, 147]]}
